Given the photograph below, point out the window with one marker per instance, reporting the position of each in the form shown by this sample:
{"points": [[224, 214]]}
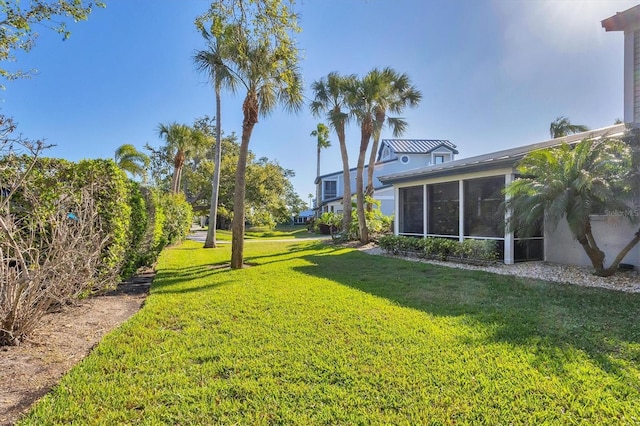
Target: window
{"points": [[404, 159], [411, 210], [330, 189], [438, 159], [444, 208], [483, 214]]}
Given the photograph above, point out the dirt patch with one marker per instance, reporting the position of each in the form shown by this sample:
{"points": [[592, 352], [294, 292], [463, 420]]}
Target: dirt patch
{"points": [[29, 371]]}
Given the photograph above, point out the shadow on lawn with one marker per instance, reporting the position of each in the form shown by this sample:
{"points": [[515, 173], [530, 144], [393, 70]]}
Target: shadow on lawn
{"points": [[547, 317], [179, 280]]}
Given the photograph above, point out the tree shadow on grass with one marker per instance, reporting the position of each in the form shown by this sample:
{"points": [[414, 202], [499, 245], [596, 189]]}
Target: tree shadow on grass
{"points": [[181, 280], [548, 318]]}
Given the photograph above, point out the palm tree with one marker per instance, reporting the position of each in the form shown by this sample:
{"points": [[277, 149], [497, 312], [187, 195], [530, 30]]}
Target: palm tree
{"points": [[573, 183], [129, 159], [399, 93], [270, 77], [180, 139], [330, 98], [561, 126], [367, 98], [322, 137], [211, 61]]}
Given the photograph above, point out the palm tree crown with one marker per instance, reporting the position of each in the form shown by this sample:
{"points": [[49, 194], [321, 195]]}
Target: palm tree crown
{"points": [[561, 126], [129, 159]]}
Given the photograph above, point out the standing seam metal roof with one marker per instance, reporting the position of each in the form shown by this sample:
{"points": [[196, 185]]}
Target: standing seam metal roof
{"points": [[416, 146]]}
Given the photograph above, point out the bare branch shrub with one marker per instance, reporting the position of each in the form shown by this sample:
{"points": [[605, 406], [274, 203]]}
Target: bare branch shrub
{"points": [[50, 247]]}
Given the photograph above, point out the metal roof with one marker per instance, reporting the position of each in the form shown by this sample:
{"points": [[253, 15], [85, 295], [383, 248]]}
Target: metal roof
{"points": [[415, 146], [504, 158]]}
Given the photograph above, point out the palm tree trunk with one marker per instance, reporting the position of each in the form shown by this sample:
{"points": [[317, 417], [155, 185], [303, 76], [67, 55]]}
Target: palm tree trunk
{"points": [[318, 163], [596, 256], [372, 163], [210, 241], [250, 110], [362, 220], [346, 191], [614, 265], [178, 162]]}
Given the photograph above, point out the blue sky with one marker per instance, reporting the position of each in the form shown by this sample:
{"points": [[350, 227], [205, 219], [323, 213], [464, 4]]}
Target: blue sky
{"points": [[493, 74]]}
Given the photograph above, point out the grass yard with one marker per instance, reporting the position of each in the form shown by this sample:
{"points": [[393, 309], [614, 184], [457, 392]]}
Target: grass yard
{"points": [[314, 334]]}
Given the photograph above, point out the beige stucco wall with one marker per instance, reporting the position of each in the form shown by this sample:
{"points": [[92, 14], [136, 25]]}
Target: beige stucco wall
{"points": [[611, 232]]}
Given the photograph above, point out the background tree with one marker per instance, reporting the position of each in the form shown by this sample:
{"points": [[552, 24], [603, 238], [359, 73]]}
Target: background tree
{"points": [[181, 140], [330, 98], [574, 183], [211, 61], [265, 62], [132, 161], [398, 94], [19, 18], [561, 126]]}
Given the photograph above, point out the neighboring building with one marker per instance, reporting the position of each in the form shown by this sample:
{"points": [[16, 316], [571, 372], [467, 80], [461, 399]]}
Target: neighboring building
{"points": [[394, 155], [629, 22], [461, 199], [303, 217]]}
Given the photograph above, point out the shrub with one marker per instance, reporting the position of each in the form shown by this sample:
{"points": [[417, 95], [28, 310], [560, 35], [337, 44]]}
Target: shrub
{"points": [[440, 248], [178, 216]]}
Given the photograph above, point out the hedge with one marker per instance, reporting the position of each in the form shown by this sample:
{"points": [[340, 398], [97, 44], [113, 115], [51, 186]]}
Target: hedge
{"points": [[469, 250]]}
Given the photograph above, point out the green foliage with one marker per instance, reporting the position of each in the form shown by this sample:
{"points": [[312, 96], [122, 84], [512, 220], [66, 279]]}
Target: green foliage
{"points": [[178, 217], [136, 256], [474, 251], [18, 18], [317, 335]]}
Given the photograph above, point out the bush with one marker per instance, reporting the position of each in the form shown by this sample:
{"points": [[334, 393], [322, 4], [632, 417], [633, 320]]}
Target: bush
{"points": [[475, 251], [178, 216]]}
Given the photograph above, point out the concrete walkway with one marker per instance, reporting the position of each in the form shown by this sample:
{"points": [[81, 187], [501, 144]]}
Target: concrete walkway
{"points": [[200, 235]]}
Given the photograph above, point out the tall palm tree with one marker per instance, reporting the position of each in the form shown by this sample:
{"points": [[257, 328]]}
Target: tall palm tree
{"points": [[129, 159], [322, 142], [561, 126], [330, 94], [181, 139], [367, 98], [211, 61], [270, 77], [398, 94], [321, 134], [572, 183]]}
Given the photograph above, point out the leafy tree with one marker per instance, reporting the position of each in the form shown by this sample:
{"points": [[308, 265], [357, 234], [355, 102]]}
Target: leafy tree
{"points": [[211, 61], [561, 126], [573, 183], [398, 94], [18, 18], [129, 159], [367, 98], [264, 59], [181, 140], [330, 98]]}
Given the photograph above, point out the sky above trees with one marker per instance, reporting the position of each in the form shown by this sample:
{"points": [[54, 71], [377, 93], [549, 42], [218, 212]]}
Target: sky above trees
{"points": [[493, 74]]}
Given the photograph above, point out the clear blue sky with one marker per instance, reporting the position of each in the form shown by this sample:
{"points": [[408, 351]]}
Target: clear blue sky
{"points": [[493, 73]]}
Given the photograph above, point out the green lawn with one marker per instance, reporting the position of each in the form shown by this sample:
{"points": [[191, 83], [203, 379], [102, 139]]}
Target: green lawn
{"points": [[313, 334]]}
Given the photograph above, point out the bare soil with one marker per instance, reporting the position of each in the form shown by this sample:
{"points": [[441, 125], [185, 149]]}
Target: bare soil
{"points": [[30, 370]]}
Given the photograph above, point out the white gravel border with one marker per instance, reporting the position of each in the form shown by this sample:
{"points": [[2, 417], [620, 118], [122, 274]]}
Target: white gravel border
{"points": [[627, 281]]}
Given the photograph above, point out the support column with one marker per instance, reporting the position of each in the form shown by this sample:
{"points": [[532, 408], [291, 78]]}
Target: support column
{"points": [[461, 210], [396, 201], [508, 236], [425, 211]]}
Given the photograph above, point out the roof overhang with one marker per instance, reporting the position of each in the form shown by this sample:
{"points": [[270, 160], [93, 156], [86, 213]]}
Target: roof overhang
{"points": [[495, 160], [629, 20]]}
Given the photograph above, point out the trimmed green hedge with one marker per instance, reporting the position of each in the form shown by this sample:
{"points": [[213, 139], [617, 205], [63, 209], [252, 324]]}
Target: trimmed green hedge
{"points": [[470, 250]]}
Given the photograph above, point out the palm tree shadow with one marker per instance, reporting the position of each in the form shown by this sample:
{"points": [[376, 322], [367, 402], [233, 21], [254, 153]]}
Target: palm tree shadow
{"points": [[549, 317]]}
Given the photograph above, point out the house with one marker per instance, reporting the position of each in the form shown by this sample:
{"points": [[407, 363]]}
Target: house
{"points": [[303, 217], [394, 155], [461, 199]]}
